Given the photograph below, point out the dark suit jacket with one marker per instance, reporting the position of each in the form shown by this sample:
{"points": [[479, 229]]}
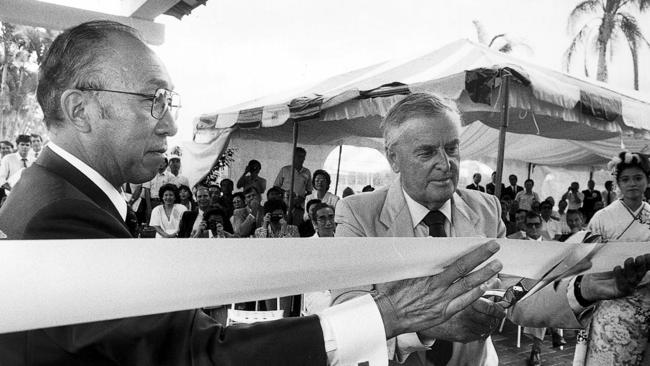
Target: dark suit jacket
{"points": [[473, 187], [186, 223], [55, 200], [490, 187], [510, 192]]}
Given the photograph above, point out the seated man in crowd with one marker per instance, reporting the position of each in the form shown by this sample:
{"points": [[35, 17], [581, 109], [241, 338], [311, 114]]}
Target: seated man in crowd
{"points": [[191, 220], [575, 221], [323, 220], [551, 228]]}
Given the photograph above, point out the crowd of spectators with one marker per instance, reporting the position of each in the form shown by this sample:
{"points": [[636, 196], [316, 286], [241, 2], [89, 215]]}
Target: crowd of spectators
{"points": [[528, 217]]}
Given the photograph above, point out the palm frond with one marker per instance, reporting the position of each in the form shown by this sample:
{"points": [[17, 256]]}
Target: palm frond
{"points": [[643, 5], [580, 39], [583, 8], [630, 28]]}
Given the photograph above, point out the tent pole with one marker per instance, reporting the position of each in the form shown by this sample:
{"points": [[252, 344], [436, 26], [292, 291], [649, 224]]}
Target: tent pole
{"points": [[505, 80], [530, 169], [293, 171], [338, 170]]}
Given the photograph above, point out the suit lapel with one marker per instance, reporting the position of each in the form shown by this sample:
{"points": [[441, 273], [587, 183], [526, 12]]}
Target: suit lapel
{"points": [[57, 165], [395, 214], [465, 219]]}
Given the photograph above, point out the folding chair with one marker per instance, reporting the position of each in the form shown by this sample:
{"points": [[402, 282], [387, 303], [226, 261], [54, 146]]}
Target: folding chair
{"points": [[247, 316]]}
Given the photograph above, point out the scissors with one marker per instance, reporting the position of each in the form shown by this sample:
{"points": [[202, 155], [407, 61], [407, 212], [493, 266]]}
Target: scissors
{"points": [[573, 263]]}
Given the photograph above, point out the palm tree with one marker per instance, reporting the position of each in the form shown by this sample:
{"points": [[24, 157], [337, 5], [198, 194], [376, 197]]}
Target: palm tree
{"points": [[610, 21], [502, 42]]}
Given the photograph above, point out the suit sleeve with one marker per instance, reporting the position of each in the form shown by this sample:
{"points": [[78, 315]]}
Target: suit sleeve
{"points": [[179, 338]]}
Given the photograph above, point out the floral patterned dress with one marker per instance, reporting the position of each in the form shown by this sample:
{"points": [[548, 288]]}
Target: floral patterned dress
{"points": [[618, 332]]}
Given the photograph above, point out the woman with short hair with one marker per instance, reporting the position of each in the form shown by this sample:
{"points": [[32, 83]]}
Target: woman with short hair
{"points": [[166, 217]]}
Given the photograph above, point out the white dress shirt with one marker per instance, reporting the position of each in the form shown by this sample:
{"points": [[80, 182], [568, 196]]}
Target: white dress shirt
{"points": [[13, 164]]}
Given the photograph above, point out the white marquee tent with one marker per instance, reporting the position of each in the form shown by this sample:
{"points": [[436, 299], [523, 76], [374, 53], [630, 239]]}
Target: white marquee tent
{"points": [[554, 119]]}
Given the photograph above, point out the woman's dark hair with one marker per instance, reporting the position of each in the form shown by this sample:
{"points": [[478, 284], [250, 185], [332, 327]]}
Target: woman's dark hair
{"points": [[626, 159], [325, 174], [169, 187], [227, 226], [186, 188], [273, 205]]}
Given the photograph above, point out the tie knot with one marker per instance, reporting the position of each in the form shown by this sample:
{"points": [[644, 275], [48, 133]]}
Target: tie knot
{"points": [[435, 220], [434, 217]]}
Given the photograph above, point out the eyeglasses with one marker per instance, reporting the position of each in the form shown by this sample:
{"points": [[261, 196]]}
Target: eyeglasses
{"points": [[325, 219], [162, 100]]}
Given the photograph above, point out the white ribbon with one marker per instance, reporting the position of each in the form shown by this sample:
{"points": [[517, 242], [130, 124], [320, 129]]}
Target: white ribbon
{"points": [[59, 282]]}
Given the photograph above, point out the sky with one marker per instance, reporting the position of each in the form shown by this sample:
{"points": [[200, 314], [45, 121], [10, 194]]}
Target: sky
{"points": [[229, 52]]}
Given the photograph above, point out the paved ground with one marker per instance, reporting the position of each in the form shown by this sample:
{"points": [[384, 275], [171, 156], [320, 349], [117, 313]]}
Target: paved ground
{"points": [[509, 355]]}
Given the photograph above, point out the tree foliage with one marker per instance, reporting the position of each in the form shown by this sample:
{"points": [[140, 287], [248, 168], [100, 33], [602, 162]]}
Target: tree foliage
{"points": [[598, 26], [22, 49]]}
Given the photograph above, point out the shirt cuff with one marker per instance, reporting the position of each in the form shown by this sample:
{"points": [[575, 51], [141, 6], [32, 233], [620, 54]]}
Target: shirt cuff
{"points": [[354, 333], [571, 297], [408, 343]]}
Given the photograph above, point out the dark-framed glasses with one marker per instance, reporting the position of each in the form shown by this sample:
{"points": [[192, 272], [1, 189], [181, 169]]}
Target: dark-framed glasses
{"points": [[162, 100]]}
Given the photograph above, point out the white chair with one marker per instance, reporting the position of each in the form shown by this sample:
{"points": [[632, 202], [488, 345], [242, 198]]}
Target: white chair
{"points": [[247, 316]]}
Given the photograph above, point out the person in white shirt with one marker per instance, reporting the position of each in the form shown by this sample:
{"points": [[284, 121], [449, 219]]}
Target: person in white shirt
{"points": [[6, 148], [573, 196], [321, 182], [526, 197], [12, 164], [175, 168], [323, 220], [551, 228], [166, 218], [152, 187]]}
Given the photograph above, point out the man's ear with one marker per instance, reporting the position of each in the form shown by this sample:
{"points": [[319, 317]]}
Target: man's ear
{"points": [[74, 105], [392, 158]]}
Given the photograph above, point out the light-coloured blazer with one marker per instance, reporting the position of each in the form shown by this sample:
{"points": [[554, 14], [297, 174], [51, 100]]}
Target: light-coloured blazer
{"points": [[384, 213]]}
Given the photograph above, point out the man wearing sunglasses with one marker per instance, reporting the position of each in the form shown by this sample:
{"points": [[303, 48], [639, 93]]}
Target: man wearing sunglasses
{"points": [[109, 107]]}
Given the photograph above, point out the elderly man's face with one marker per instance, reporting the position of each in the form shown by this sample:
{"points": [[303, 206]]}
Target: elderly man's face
{"points": [[325, 224], [129, 142], [427, 156]]}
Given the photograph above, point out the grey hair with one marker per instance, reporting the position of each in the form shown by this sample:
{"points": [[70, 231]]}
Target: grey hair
{"points": [[415, 105], [73, 61]]}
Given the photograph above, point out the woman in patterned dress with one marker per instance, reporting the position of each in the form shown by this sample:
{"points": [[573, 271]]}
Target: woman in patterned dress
{"points": [[618, 332]]}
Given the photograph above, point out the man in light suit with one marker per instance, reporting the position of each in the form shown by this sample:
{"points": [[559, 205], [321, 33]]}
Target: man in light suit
{"points": [[421, 134], [109, 107]]}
